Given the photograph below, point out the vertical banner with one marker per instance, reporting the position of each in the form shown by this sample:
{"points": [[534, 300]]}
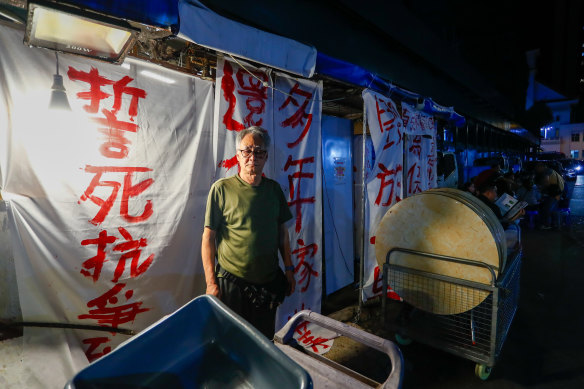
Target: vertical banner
{"points": [[420, 130], [105, 201], [384, 183], [243, 98], [298, 163]]}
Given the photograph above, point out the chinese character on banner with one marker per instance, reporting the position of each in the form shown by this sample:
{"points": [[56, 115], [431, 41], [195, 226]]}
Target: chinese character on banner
{"points": [[388, 178], [131, 250], [304, 266], [128, 191], [93, 343], [253, 87], [414, 179], [416, 147], [295, 192], [300, 117], [388, 119], [308, 339], [431, 158], [113, 128], [106, 313]]}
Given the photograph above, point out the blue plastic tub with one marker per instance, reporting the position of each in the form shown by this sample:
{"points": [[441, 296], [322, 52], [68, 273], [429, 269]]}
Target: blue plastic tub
{"points": [[201, 345]]}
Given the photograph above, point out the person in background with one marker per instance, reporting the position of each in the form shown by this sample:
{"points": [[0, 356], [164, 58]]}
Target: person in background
{"points": [[552, 188], [469, 186], [245, 230], [488, 195], [529, 192]]}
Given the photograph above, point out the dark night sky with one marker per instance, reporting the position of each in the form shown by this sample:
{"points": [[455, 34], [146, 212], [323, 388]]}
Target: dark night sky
{"points": [[493, 36]]}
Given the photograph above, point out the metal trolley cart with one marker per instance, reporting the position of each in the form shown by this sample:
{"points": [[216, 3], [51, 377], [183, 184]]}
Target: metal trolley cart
{"points": [[479, 331]]}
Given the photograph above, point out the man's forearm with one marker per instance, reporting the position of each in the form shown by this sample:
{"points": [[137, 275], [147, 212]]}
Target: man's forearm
{"points": [[284, 246], [208, 255]]}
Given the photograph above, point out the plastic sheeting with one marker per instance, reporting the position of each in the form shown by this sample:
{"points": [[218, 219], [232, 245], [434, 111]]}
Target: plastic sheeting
{"points": [[206, 28]]}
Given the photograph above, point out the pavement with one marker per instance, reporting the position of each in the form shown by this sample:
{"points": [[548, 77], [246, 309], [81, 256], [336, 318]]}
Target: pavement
{"points": [[545, 344]]}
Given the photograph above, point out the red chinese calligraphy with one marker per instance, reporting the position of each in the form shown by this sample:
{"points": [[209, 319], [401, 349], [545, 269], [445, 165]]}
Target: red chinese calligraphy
{"points": [[414, 179], [431, 158], [131, 250], [303, 266], [96, 263], [107, 315], [310, 340], [121, 88], [253, 87], [297, 118], [388, 119], [295, 193], [115, 146], [416, 147], [229, 163], [95, 81], [377, 287], [387, 177], [94, 343], [128, 191]]}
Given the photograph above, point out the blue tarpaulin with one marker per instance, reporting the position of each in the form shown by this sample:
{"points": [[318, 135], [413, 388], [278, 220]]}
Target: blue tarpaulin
{"points": [[356, 75], [159, 13], [206, 28]]}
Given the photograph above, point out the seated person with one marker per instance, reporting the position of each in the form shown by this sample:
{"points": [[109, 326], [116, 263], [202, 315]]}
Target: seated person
{"points": [[488, 195], [469, 187], [529, 192]]}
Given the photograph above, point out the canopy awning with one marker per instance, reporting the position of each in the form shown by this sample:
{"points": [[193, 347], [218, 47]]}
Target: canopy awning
{"points": [[356, 75], [204, 27]]}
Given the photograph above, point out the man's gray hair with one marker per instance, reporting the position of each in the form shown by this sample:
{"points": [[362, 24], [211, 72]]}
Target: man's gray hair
{"points": [[254, 130]]}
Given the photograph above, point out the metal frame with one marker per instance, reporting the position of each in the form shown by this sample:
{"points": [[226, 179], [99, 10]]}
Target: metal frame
{"points": [[477, 334]]}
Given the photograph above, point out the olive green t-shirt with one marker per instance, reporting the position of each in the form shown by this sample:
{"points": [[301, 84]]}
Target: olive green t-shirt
{"points": [[246, 222]]}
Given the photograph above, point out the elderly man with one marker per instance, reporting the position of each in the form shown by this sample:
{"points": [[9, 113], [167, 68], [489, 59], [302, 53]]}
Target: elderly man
{"points": [[244, 228]]}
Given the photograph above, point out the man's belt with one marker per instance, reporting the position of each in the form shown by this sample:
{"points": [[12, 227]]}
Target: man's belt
{"points": [[268, 296]]}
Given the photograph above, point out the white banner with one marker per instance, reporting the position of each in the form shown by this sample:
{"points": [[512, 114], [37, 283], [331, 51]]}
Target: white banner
{"points": [[384, 183], [298, 167], [290, 110], [105, 201], [243, 98], [420, 137]]}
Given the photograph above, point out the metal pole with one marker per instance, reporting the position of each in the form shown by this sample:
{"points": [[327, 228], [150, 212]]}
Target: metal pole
{"points": [[363, 195], [405, 169]]}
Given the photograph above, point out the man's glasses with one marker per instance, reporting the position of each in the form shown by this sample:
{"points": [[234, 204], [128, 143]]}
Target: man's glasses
{"points": [[258, 153]]}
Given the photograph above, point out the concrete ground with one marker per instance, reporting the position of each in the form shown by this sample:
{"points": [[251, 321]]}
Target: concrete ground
{"points": [[545, 344]]}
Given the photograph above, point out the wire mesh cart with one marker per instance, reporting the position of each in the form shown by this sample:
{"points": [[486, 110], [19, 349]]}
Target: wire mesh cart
{"points": [[478, 331]]}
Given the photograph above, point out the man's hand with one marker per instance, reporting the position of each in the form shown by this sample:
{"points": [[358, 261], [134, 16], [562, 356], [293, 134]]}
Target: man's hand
{"points": [[213, 290], [291, 282], [518, 215]]}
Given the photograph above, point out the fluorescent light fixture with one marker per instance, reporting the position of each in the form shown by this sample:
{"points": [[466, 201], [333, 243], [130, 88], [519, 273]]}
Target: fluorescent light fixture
{"points": [[157, 76], [68, 29]]}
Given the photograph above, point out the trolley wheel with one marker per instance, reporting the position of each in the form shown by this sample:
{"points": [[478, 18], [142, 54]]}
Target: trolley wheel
{"points": [[402, 340], [482, 371]]}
